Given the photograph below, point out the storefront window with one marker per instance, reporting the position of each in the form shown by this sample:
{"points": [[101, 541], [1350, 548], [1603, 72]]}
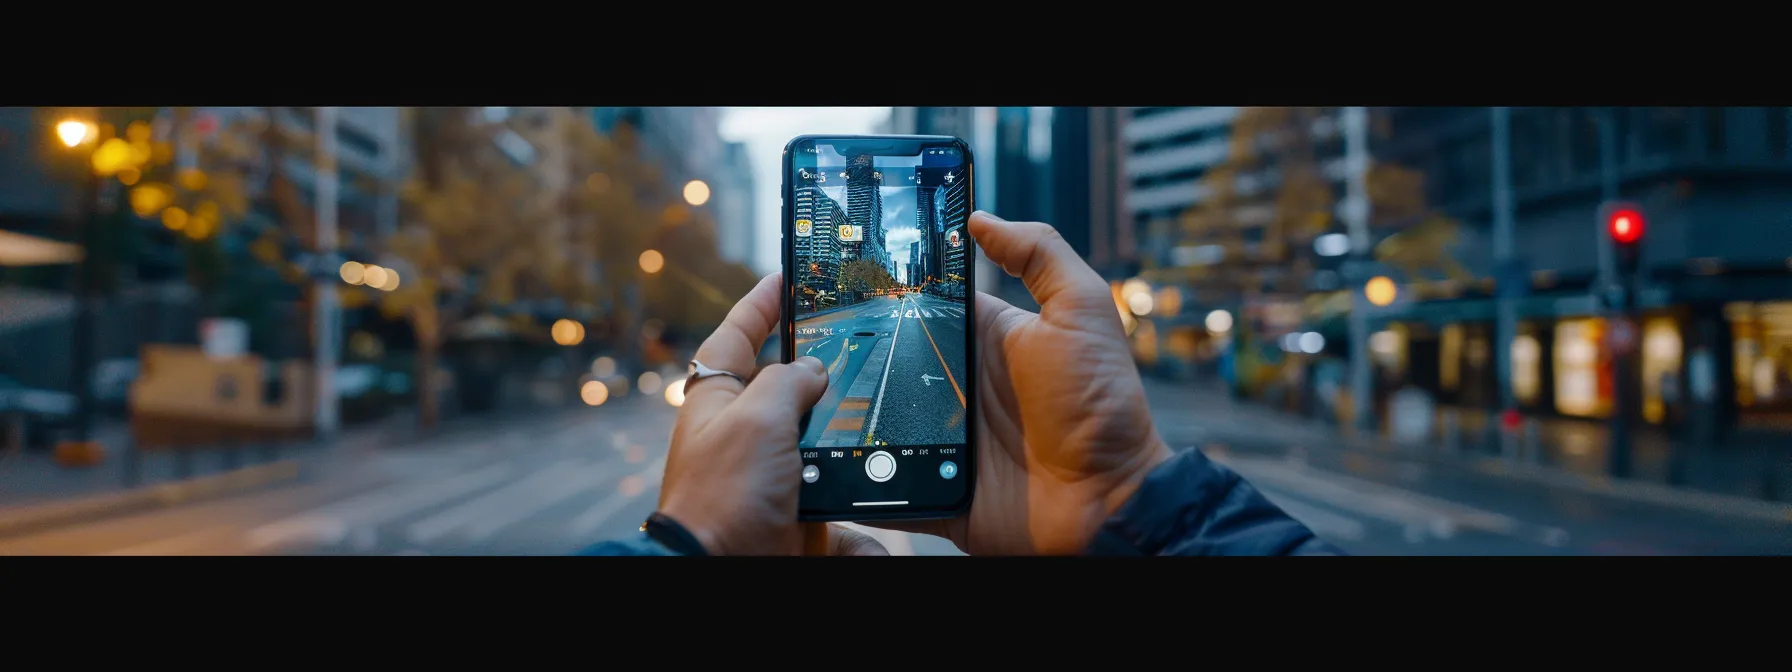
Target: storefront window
{"points": [[1763, 360], [1661, 366], [1583, 386], [1527, 361]]}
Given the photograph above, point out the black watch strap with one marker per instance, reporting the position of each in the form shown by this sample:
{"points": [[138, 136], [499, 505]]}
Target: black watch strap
{"points": [[669, 533]]}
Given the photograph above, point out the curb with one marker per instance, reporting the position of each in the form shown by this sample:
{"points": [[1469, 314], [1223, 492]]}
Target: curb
{"points": [[29, 518]]}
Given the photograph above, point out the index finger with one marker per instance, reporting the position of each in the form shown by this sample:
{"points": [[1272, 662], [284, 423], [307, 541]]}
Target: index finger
{"points": [[734, 347]]}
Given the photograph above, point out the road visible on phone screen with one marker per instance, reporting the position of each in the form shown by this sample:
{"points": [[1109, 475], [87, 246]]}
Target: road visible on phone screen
{"points": [[896, 371]]}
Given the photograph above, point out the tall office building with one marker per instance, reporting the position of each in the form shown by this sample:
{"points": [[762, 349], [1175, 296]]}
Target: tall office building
{"points": [[865, 209], [1168, 150], [913, 272], [927, 222], [818, 255]]}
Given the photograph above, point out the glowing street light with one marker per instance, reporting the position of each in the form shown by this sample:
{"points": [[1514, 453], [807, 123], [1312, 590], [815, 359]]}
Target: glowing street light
{"points": [[73, 132], [652, 261], [696, 192], [1380, 291]]}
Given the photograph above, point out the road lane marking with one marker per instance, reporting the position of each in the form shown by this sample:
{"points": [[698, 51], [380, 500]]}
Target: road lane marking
{"points": [[1420, 514], [942, 358], [434, 527], [927, 313], [817, 345], [331, 524], [500, 519], [878, 404], [601, 512]]}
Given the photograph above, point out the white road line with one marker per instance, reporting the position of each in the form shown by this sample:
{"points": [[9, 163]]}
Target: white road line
{"points": [[331, 524], [927, 313], [1415, 511], [434, 527], [817, 345], [878, 404], [500, 518], [1324, 523], [601, 512]]}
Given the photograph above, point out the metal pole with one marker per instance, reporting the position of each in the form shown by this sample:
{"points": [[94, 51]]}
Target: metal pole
{"points": [[1503, 247], [86, 277], [1625, 289], [1356, 219], [325, 311]]}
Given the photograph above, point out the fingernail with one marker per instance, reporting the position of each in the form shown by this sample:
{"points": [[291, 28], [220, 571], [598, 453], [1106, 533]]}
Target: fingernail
{"points": [[990, 215], [813, 365]]}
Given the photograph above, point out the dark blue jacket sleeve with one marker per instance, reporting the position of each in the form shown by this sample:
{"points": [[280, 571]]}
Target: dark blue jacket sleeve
{"points": [[1192, 506], [639, 544]]}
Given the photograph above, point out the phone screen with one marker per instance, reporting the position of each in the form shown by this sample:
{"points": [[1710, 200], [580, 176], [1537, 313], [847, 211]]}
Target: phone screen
{"points": [[878, 267]]}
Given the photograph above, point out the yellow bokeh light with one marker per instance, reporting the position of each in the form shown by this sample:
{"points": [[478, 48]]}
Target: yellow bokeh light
{"points": [[696, 192], [192, 179], [137, 132], [200, 227], [594, 393], [148, 200], [1380, 291], [373, 276], [568, 332], [112, 156], [129, 176], [174, 218], [391, 282], [73, 132], [652, 261], [353, 272], [675, 393]]}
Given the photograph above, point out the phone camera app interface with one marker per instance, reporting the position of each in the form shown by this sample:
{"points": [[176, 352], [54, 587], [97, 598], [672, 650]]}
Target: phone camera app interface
{"points": [[879, 265]]}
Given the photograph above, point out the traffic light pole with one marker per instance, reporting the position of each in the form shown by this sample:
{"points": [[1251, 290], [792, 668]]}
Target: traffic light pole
{"points": [[1623, 288]]}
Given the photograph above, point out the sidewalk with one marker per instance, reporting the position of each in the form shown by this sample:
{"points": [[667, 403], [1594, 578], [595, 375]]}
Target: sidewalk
{"points": [[1573, 454], [33, 486]]}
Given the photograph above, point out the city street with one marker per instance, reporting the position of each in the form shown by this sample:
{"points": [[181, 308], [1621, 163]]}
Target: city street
{"points": [[896, 371], [547, 487]]}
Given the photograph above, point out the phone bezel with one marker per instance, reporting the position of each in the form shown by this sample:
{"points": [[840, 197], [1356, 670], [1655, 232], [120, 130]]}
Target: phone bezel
{"points": [[787, 326]]}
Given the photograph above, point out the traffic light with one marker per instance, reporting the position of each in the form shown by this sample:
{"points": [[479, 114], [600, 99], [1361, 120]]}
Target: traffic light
{"points": [[1624, 225]]}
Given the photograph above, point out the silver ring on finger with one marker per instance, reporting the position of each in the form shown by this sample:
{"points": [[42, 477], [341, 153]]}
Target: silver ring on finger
{"points": [[698, 372]]}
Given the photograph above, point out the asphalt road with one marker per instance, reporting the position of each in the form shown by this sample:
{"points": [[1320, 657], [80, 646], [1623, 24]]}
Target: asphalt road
{"points": [[896, 369], [546, 487]]}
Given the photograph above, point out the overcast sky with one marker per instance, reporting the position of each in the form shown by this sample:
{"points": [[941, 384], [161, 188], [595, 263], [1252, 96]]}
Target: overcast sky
{"points": [[766, 130]]}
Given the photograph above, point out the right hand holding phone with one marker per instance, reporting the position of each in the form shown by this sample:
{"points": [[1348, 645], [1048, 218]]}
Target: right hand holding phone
{"points": [[1065, 436]]}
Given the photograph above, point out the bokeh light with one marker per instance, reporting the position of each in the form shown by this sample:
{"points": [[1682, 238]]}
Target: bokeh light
{"points": [[73, 132], [352, 271], [603, 367], [568, 332], [696, 192], [594, 393], [652, 261], [649, 383], [675, 393], [1381, 291]]}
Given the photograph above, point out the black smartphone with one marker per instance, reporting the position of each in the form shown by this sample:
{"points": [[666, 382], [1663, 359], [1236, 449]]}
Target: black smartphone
{"points": [[879, 285]]}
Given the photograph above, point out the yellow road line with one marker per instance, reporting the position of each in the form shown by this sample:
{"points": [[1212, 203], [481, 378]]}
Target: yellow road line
{"points": [[936, 353]]}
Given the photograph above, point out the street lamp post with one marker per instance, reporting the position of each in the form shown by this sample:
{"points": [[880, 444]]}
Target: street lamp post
{"points": [[75, 133]]}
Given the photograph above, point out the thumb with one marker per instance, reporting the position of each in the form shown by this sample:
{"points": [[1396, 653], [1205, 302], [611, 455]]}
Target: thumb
{"points": [[1041, 258], [784, 389]]}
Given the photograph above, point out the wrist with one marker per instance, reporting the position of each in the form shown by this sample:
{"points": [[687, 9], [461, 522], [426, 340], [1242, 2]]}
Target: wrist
{"points": [[698, 529], [1133, 473]]}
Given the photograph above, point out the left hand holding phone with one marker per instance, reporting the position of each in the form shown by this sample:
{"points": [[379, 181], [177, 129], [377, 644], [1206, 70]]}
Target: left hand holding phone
{"points": [[731, 475]]}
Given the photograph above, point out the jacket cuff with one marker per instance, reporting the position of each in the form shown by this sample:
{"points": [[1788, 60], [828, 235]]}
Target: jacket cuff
{"points": [[1191, 506], [638, 544]]}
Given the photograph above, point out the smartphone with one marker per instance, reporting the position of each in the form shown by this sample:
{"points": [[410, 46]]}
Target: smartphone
{"points": [[879, 285]]}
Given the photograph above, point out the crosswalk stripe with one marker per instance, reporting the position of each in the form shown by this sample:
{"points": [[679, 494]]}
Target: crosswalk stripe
{"points": [[331, 524], [442, 523]]}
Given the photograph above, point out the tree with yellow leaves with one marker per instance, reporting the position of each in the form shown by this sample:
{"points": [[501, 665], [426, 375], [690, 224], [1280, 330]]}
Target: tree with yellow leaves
{"points": [[470, 219]]}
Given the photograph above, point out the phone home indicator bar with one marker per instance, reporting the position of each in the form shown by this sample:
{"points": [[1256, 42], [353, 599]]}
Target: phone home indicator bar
{"points": [[879, 503]]}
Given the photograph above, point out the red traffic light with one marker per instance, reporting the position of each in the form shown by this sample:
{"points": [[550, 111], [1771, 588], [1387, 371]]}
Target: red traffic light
{"points": [[1625, 226]]}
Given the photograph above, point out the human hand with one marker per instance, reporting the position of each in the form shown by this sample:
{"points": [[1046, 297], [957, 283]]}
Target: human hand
{"points": [[1064, 436], [732, 472]]}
